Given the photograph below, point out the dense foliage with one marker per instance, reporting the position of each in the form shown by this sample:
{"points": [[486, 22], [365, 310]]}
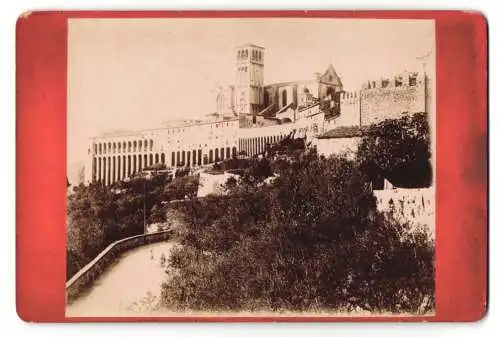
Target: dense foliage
{"points": [[99, 215], [310, 240], [399, 150]]}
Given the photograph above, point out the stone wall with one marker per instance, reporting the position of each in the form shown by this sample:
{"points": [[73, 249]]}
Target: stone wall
{"points": [[349, 110], [91, 272], [384, 100], [413, 205], [337, 146]]}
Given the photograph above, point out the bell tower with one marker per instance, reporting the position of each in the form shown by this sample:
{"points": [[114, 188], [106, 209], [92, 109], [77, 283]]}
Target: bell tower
{"points": [[249, 85]]}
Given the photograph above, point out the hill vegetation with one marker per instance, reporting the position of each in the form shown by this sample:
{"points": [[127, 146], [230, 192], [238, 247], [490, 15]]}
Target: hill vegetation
{"points": [[312, 239]]}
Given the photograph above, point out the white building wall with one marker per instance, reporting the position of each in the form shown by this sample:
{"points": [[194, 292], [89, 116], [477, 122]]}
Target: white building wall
{"points": [[413, 205], [119, 157], [337, 146]]}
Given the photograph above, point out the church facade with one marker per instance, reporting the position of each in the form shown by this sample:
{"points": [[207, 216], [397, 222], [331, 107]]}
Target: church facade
{"points": [[249, 114]]}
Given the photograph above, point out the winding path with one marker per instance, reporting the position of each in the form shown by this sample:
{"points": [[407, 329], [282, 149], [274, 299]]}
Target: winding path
{"points": [[129, 287]]}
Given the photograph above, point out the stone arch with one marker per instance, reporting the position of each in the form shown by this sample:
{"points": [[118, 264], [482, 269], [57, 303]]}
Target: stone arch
{"points": [[151, 159], [139, 164], [118, 167], [284, 98], [119, 147], [124, 167], [228, 152], [157, 158], [216, 154], [135, 145], [194, 157], [183, 160], [163, 158], [146, 161], [104, 170], [173, 159], [94, 169], [221, 154], [210, 156], [108, 180], [99, 169], [140, 145], [234, 152]]}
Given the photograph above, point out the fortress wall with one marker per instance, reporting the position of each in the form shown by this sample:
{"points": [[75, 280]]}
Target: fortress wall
{"points": [[382, 100], [349, 109]]}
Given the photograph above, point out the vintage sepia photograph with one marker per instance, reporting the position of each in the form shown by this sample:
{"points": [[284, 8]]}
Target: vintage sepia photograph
{"points": [[250, 167]]}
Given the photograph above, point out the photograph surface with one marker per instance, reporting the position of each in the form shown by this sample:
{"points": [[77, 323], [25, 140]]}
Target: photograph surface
{"points": [[250, 167]]}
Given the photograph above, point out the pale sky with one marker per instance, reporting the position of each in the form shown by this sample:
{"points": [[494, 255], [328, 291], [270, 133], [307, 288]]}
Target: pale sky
{"points": [[127, 74]]}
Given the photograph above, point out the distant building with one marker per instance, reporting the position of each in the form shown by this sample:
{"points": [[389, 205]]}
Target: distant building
{"points": [[343, 140], [249, 114]]}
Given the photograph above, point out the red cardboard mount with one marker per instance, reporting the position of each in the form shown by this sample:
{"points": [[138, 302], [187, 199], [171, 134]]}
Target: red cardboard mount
{"points": [[461, 164]]}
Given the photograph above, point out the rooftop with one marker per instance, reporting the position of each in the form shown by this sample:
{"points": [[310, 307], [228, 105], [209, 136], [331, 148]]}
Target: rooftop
{"points": [[342, 132]]}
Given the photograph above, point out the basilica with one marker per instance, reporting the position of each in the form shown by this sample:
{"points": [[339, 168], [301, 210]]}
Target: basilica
{"points": [[250, 114]]}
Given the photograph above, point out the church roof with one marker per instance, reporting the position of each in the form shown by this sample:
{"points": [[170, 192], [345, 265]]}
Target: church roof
{"points": [[342, 132], [331, 76]]}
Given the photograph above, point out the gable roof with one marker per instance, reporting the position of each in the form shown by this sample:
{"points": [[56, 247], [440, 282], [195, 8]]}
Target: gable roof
{"points": [[342, 132], [331, 76]]}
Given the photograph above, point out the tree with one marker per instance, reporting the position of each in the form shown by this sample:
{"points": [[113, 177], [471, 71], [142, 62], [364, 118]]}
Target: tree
{"points": [[182, 187], [399, 150], [157, 214], [311, 240]]}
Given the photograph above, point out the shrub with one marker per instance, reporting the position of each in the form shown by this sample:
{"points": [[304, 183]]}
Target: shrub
{"points": [[399, 150], [311, 240]]}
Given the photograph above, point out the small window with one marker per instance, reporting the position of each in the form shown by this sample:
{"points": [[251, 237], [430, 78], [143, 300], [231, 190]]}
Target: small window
{"points": [[413, 80]]}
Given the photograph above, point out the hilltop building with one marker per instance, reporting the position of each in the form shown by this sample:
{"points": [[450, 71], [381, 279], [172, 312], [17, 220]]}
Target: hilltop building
{"points": [[250, 114]]}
